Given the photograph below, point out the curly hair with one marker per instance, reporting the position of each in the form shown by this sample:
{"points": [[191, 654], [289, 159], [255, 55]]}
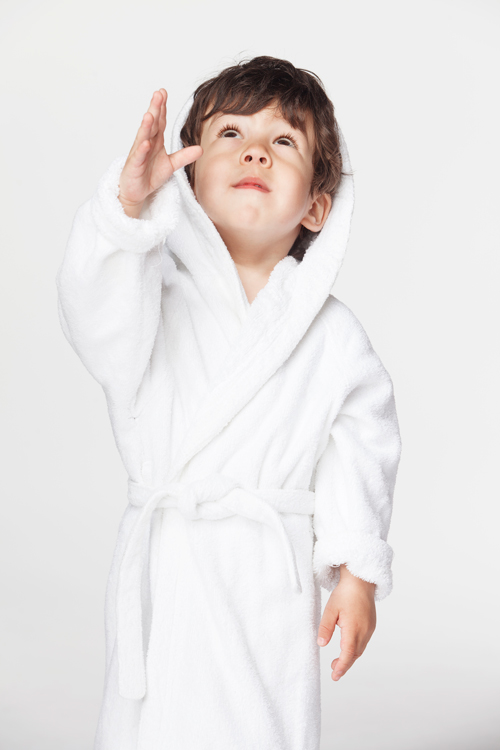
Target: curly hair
{"points": [[252, 85]]}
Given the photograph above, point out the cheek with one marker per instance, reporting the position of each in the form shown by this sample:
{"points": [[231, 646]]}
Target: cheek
{"points": [[294, 193], [213, 177], [208, 183]]}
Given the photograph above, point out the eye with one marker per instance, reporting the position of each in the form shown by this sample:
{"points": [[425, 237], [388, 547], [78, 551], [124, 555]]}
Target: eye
{"points": [[288, 137], [230, 129]]}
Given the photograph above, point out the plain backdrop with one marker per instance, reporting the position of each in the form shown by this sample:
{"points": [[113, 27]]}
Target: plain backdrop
{"points": [[415, 89]]}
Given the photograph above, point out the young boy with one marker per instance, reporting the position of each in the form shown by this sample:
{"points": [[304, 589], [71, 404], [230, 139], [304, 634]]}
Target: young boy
{"points": [[255, 421]]}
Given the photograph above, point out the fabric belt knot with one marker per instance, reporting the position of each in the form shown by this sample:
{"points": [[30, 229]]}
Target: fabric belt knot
{"points": [[214, 497]]}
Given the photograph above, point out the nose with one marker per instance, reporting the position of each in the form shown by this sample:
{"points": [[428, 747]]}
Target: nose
{"points": [[258, 153]]}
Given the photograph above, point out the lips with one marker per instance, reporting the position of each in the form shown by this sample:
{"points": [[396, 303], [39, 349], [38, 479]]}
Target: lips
{"points": [[254, 183]]}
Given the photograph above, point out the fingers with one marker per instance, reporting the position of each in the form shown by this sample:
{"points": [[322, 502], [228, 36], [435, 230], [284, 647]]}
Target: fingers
{"points": [[163, 112], [153, 122], [327, 625], [185, 156], [340, 665], [141, 152], [349, 650], [352, 644], [151, 125]]}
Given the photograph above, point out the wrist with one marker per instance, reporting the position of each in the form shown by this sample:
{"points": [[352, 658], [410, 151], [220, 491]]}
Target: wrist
{"points": [[133, 210], [348, 577]]}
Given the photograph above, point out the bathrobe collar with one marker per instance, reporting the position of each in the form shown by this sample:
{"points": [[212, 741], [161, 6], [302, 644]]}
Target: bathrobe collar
{"points": [[272, 326]]}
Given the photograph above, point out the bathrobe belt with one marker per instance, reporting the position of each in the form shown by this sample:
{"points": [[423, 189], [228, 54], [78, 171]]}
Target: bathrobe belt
{"points": [[211, 498]]}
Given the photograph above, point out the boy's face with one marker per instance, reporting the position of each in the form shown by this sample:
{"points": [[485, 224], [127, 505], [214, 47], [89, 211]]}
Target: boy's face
{"points": [[238, 147]]}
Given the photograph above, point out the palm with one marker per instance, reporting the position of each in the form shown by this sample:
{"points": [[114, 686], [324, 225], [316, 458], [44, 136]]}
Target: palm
{"points": [[158, 167]]}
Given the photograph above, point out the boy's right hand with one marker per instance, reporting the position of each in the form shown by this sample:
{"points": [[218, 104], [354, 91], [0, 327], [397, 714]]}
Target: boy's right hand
{"points": [[148, 165]]}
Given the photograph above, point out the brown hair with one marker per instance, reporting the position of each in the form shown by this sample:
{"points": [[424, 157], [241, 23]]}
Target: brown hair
{"points": [[252, 85]]}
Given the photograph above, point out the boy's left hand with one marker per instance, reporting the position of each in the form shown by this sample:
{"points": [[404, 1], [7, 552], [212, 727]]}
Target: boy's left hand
{"points": [[352, 606]]}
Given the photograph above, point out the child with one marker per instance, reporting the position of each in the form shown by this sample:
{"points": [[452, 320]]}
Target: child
{"points": [[255, 421]]}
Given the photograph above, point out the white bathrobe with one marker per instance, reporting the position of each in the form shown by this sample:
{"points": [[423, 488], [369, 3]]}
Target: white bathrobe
{"points": [[261, 444]]}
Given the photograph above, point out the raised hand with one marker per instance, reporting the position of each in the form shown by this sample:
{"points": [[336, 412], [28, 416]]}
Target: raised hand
{"points": [[148, 165], [351, 606]]}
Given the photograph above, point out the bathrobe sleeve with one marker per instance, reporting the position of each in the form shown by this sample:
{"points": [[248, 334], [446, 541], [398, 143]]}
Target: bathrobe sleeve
{"points": [[356, 474], [110, 282]]}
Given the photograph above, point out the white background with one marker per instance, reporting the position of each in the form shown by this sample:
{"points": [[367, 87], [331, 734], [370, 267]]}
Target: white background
{"points": [[415, 89]]}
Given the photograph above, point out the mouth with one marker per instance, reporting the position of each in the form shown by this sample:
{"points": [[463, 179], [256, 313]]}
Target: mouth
{"points": [[253, 183]]}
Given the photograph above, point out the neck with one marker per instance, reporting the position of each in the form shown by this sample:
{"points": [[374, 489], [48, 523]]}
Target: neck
{"points": [[257, 255]]}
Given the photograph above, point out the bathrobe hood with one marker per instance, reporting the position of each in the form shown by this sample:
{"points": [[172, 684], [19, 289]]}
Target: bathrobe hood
{"points": [[265, 332], [318, 271]]}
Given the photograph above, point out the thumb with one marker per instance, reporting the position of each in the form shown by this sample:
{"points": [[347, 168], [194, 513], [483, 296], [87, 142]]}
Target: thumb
{"points": [[185, 156], [327, 625]]}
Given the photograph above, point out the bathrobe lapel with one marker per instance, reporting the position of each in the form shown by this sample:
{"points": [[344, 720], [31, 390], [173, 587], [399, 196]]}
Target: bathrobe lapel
{"points": [[269, 329]]}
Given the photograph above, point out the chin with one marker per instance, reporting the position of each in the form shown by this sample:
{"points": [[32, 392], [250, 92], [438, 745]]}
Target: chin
{"points": [[246, 224], [247, 216]]}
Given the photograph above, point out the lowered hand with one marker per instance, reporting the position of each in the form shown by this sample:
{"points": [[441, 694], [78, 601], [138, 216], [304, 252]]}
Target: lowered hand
{"points": [[351, 606]]}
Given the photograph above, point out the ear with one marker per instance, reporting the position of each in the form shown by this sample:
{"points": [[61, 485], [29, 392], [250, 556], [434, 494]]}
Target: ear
{"points": [[317, 213]]}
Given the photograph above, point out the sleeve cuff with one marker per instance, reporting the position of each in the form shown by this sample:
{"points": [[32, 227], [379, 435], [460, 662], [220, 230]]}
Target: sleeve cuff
{"points": [[366, 556], [158, 216]]}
